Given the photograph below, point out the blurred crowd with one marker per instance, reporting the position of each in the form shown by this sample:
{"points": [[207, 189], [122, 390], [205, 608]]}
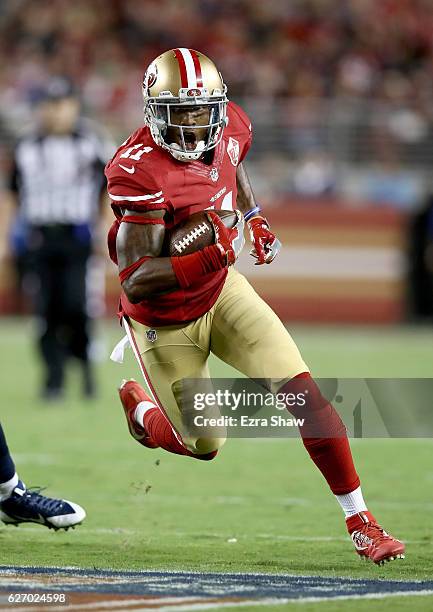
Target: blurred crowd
{"points": [[302, 48], [325, 81], [340, 91]]}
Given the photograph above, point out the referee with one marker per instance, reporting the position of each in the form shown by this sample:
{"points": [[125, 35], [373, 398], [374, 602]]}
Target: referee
{"points": [[58, 181]]}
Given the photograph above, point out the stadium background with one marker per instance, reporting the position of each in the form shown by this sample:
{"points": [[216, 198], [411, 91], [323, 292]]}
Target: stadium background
{"points": [[340, 94], [341, 97]]}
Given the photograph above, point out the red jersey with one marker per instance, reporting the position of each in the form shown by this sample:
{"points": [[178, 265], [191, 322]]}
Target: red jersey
{"points": [[142, 176]]}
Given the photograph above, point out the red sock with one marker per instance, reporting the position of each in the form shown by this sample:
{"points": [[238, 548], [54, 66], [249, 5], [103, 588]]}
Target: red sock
{"points": [[324, 435], [160, 430]]}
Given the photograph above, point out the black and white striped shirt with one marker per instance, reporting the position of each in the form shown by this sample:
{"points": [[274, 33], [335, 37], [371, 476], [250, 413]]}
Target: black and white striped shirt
{"points": [[59, 178]]}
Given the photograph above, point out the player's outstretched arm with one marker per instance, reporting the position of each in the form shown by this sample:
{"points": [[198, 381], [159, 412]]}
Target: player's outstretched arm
{"points": [[245, 199], [265, 244], [142, 272]]}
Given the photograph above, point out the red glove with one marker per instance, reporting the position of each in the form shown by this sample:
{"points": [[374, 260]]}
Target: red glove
{"points": [[189, 268], [230, 241], [228, 244], [265, 244]]}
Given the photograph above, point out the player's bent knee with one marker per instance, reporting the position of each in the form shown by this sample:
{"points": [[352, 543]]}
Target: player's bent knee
{"points": [[209, 445], [207, 457], [300, 370], [204, 446]]}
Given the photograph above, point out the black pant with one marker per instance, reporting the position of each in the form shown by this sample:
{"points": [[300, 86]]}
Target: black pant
{"points": [[420, 273], [58, 257], [7, 468]]}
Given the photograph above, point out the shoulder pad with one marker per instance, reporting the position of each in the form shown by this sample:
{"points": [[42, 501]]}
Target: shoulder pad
{"points": [[238, 117]]}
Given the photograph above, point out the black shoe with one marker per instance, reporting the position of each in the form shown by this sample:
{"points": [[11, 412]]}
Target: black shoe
{"points": [[29, 506], [52, 394]]}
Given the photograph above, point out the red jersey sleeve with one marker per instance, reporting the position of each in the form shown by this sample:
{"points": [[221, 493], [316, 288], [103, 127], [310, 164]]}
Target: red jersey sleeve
{"points": [[241, 124], [131, 184], [138, 192]]}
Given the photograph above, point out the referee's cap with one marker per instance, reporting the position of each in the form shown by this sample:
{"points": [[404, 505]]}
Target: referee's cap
{"points": [[57, 88]]}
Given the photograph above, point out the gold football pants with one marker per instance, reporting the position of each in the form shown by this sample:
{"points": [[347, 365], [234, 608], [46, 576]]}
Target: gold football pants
{"points": [[240, 329]]}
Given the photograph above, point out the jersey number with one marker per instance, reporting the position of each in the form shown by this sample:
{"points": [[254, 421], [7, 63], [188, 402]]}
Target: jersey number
{"points": [[128, 154], [227, 203]]}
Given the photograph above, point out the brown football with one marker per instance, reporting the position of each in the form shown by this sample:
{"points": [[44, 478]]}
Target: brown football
{"points": [[195, 233]]}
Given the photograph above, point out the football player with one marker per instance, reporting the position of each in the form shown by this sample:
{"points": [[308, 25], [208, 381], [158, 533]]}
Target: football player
{"points": [[188, 157], [21, 505]]}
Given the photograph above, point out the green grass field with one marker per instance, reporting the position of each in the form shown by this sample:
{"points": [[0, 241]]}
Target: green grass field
{"points": [[148, 509]]}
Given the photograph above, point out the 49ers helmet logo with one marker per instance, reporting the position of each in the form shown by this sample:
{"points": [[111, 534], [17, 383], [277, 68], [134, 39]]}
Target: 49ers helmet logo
{"points": [[150, 76], [193, 92]]}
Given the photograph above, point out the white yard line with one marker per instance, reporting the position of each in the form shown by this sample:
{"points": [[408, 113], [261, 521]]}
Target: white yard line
{"points": [[284, 601], [425, 593], [173, 603], [219, 605], [119, 531], [115, 604]]}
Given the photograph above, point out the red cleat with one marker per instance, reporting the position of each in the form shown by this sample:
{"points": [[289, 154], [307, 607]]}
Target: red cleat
{"points": [[371, 540], [131, 394]]}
